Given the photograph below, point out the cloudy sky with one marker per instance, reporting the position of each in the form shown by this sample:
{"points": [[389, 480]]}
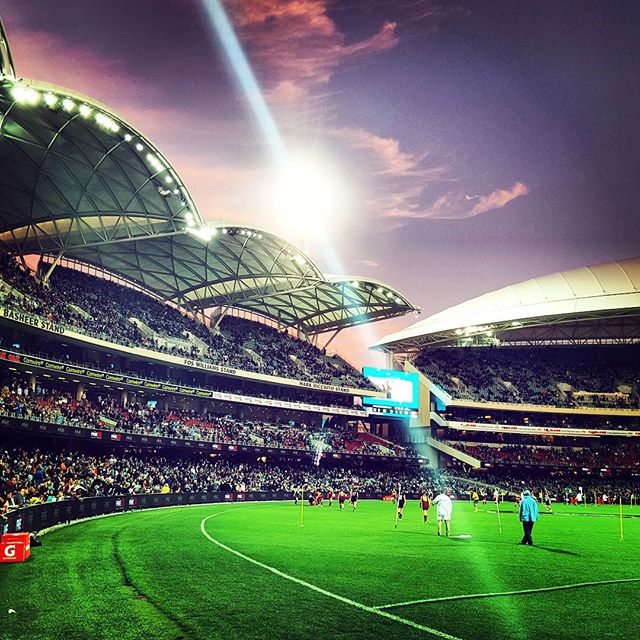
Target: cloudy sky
{"points": [[471, 144]]}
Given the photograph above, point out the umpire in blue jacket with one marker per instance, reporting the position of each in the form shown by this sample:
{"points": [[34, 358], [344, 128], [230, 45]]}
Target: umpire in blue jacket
{"points": [[528, 516]]}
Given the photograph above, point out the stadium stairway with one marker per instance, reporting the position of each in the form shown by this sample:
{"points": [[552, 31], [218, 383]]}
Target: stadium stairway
{"points": [[453, 453]]}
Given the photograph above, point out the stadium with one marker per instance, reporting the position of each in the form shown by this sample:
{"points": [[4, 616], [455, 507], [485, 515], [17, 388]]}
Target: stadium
{"points": [[184, 455]]}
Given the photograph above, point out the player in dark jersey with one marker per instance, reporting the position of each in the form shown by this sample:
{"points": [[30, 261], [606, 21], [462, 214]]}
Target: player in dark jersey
{"points": [[342, 497], [330, 496], [402, 500], [425, 503], [354, 498]]}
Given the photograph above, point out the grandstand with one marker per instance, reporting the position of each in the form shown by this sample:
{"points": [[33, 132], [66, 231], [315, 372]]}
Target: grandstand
{"points": [[107, 262], [542, 374]]}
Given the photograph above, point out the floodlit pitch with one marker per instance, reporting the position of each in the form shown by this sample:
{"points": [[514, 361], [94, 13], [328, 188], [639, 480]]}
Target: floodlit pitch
{"points": [[250, 571]]}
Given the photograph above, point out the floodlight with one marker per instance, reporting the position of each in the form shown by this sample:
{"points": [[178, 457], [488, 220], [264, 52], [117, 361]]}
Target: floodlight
{"points": [[25, 95], [306, 196]]}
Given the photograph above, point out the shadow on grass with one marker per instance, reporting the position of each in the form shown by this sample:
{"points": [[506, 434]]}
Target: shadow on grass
{"points": [[422, 534], [563, 552]]}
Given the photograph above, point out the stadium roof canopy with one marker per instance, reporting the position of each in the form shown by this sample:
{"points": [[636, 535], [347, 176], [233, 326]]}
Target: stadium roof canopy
{"points": [[599, 304], [79, 183]]}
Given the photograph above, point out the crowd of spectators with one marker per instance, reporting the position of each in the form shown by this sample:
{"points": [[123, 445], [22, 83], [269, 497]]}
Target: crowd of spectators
{"points": [[620, 456], [30, 476], [599, 376], [560, 485], [107, 412], [33, 476], [119, 314]]}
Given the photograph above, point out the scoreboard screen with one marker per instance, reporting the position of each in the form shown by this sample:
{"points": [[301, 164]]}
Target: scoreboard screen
{"points": [[401, 389]]}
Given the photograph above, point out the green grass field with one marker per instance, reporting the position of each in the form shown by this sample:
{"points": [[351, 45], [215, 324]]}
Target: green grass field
{"points": [[156, 575]]}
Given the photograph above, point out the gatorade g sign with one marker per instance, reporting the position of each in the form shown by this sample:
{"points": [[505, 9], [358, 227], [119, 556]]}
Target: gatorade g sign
{"points": [[15, 547]]}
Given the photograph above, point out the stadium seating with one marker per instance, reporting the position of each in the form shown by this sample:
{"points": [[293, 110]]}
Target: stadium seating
{"points": [[54, 406], [562, 376], [125, 316], [618, 456]]}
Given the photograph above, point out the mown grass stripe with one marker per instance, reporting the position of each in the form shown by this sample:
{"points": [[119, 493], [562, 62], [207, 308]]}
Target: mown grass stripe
{"points": [[137, 592], [313, 587], [520, 592]]}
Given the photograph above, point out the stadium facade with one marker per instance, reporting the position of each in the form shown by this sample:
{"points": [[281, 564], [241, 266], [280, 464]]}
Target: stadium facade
{"points": [[510, 339]]}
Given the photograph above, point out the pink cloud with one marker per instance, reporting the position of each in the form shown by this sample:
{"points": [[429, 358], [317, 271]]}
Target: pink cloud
{"points": [[456, 206], [43, 56], [389, 157], [47, 57], [384, 40], [391, 178], [286, 92], [499, 198], [297, 47]]}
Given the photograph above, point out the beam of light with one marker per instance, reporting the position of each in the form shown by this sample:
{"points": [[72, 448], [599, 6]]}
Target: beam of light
{"points": [[246, 80], [303, 193], [245, 77]]}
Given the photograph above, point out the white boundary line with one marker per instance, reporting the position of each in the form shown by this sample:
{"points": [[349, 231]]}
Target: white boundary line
{"points": [[474, 596], [313, 587]]}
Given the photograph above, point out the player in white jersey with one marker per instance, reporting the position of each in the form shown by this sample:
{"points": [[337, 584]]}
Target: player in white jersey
{"points": [[443, 513]]}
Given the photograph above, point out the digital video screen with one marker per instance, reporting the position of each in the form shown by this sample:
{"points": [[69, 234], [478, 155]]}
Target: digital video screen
{"points": [[401, 388]]}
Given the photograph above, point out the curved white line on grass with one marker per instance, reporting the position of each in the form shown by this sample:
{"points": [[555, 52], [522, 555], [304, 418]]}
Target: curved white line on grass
{"points": [[313, 587], [474, 596]]}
